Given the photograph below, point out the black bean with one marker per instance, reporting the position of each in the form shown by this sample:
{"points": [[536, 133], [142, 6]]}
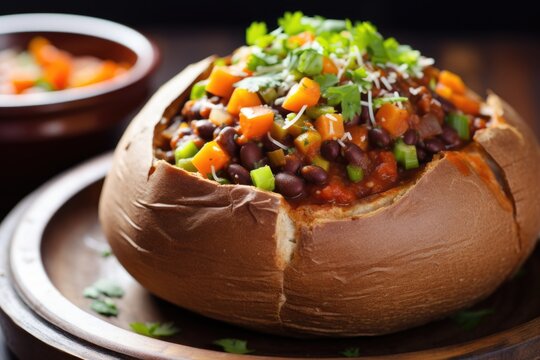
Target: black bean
{"points": [[364, 115], [292, 164], [421, 154], [330, 150], [288, 141], [195, 111], [410, 137], [283, 112], [314, 174], [226, 139], [449, 135], [250, 155], [434, 145], [216, 132], [268, 144], [238, 174], [289, 185], [356, 120], [379, 137], [355, 156], [205, 129]]}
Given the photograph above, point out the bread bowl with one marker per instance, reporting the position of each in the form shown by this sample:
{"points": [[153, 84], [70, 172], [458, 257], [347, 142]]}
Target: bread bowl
{"points": [[441, 234]]}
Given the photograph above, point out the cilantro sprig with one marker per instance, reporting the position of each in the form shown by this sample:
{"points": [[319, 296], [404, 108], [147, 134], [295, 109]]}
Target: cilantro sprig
{"points": [[105, 307], [470, 319], [348, 96], [233, 346], [351, 352], [102, 292], [256, 83], [326, 81], [154, 329]]}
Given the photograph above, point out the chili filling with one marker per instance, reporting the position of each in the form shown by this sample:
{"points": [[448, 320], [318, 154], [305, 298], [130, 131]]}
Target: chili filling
{"points": [[321, 111]]}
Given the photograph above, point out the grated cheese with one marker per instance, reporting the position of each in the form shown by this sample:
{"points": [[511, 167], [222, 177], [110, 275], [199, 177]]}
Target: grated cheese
{"points": [[415, 91], [288, 124], [374, 78], [370, 108], [425, 61], [386, 84], [331, 117], [275, 142], [398, 103], [214, 175]]}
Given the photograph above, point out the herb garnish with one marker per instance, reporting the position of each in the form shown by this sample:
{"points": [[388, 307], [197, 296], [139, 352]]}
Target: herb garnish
{"points": [[255, 31], [155, 329], [351, 352], [326, 80], [256, 83], [349, 98], [469, 319], [106, 287], [357, 50], [106, 253], [233, 346], [106, 307], [102, 291]]}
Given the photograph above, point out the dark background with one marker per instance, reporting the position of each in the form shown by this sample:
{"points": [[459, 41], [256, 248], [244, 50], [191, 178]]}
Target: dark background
{"points": [[455, 16]]}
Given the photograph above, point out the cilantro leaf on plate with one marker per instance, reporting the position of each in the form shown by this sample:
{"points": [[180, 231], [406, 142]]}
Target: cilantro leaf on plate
{"points": [[106, 253], [105, 307], [91, 293], [233, 346], [155, 329], [351, 352], [470, 319], [109, 288]]}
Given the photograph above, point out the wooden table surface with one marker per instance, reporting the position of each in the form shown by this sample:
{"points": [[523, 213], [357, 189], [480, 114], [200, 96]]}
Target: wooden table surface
{"points": [[506, 64]]}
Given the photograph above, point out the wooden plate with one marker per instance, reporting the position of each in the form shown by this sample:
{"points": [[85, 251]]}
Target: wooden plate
{"points": [[51, 249]]}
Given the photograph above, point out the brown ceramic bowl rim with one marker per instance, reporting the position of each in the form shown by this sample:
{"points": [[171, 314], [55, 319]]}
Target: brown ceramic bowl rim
{"points": [[146, 53]]}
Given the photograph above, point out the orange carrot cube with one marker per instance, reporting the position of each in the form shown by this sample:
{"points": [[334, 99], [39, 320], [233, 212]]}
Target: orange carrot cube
{"points": [[307, 92], [330, 126], [452, 81], [221, 81], [210, 155], [242, 98], [393, 119], [256, 121]]}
